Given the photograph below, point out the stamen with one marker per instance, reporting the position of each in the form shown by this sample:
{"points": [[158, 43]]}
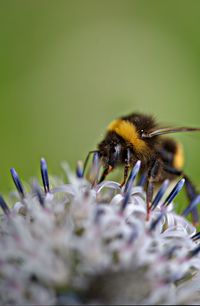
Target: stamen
{"points": [[191, 206], [125, 201], [94, 172], [98, 214], [142, 180], [194, 252], [133, 236], [17, 182], [174, 192], [38, 193], [95, 160], [196, 236], [79, 169], [44, 173], [169, 253], [160, 194], [129, 184], [4, 206], [156, 221], [132, 176]]}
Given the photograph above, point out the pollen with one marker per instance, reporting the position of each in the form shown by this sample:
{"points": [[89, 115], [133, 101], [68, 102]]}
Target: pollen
{"points": [[128, 132]]}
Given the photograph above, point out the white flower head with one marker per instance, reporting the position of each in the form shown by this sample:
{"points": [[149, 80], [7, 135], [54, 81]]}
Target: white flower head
{"points": [[85, 242]]}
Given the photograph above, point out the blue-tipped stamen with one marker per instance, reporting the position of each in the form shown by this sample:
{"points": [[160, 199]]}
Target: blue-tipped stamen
{"points": [[132, 176], [38, 193], [98, 214], [196, 236], [95, 159], [156, 221], [125, 200], [174, 192], [160, 194], [17, 182], [142, 179], [133, 236], [4, 206], [194, 252], [94, 172], [79, 169], [45, 176], [191, 206], [96, 163], [129, 184], [169, 253]]}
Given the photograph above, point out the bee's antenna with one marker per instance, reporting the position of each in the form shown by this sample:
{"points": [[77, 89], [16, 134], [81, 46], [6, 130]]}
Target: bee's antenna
{"points": [[169, 130]]}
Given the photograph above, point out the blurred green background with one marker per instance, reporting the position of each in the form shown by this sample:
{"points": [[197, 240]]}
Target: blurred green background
{"points": [[67, 68]]}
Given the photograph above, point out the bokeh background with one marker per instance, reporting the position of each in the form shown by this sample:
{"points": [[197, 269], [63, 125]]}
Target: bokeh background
{"points": [[67, 68]]}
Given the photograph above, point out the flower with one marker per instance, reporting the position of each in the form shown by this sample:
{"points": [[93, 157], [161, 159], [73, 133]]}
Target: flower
{"points": [[85, 242]]}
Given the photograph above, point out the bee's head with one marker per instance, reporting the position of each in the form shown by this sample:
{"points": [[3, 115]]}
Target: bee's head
{"points": [[111, 151]]}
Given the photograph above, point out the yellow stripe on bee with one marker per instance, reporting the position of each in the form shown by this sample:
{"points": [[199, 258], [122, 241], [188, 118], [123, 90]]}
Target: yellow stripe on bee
{"points": [[178, 161], [128, 132]]}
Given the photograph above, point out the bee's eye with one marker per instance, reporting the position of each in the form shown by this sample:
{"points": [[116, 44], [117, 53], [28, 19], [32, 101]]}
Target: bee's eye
{"points": [[142, 133]]}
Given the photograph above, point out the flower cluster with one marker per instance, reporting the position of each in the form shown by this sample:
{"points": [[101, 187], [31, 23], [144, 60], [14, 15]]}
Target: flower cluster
{"points": [[90, 243]]}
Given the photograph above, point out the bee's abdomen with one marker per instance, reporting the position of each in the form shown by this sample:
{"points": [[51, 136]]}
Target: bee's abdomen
{"points": [[178, 160], [172, 153]]}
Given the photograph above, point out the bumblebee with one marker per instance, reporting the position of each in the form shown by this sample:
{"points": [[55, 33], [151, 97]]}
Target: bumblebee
{"points": [[139, 137]]}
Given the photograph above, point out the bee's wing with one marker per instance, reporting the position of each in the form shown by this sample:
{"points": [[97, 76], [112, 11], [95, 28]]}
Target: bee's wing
{"points": [[169, 130]]}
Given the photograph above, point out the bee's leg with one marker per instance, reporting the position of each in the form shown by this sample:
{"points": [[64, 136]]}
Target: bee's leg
{"points": [[172, 170], [86, 160], [192, 194], [106, 171], [126, 167], [152, 174], [126, 170], [191, 190]]}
